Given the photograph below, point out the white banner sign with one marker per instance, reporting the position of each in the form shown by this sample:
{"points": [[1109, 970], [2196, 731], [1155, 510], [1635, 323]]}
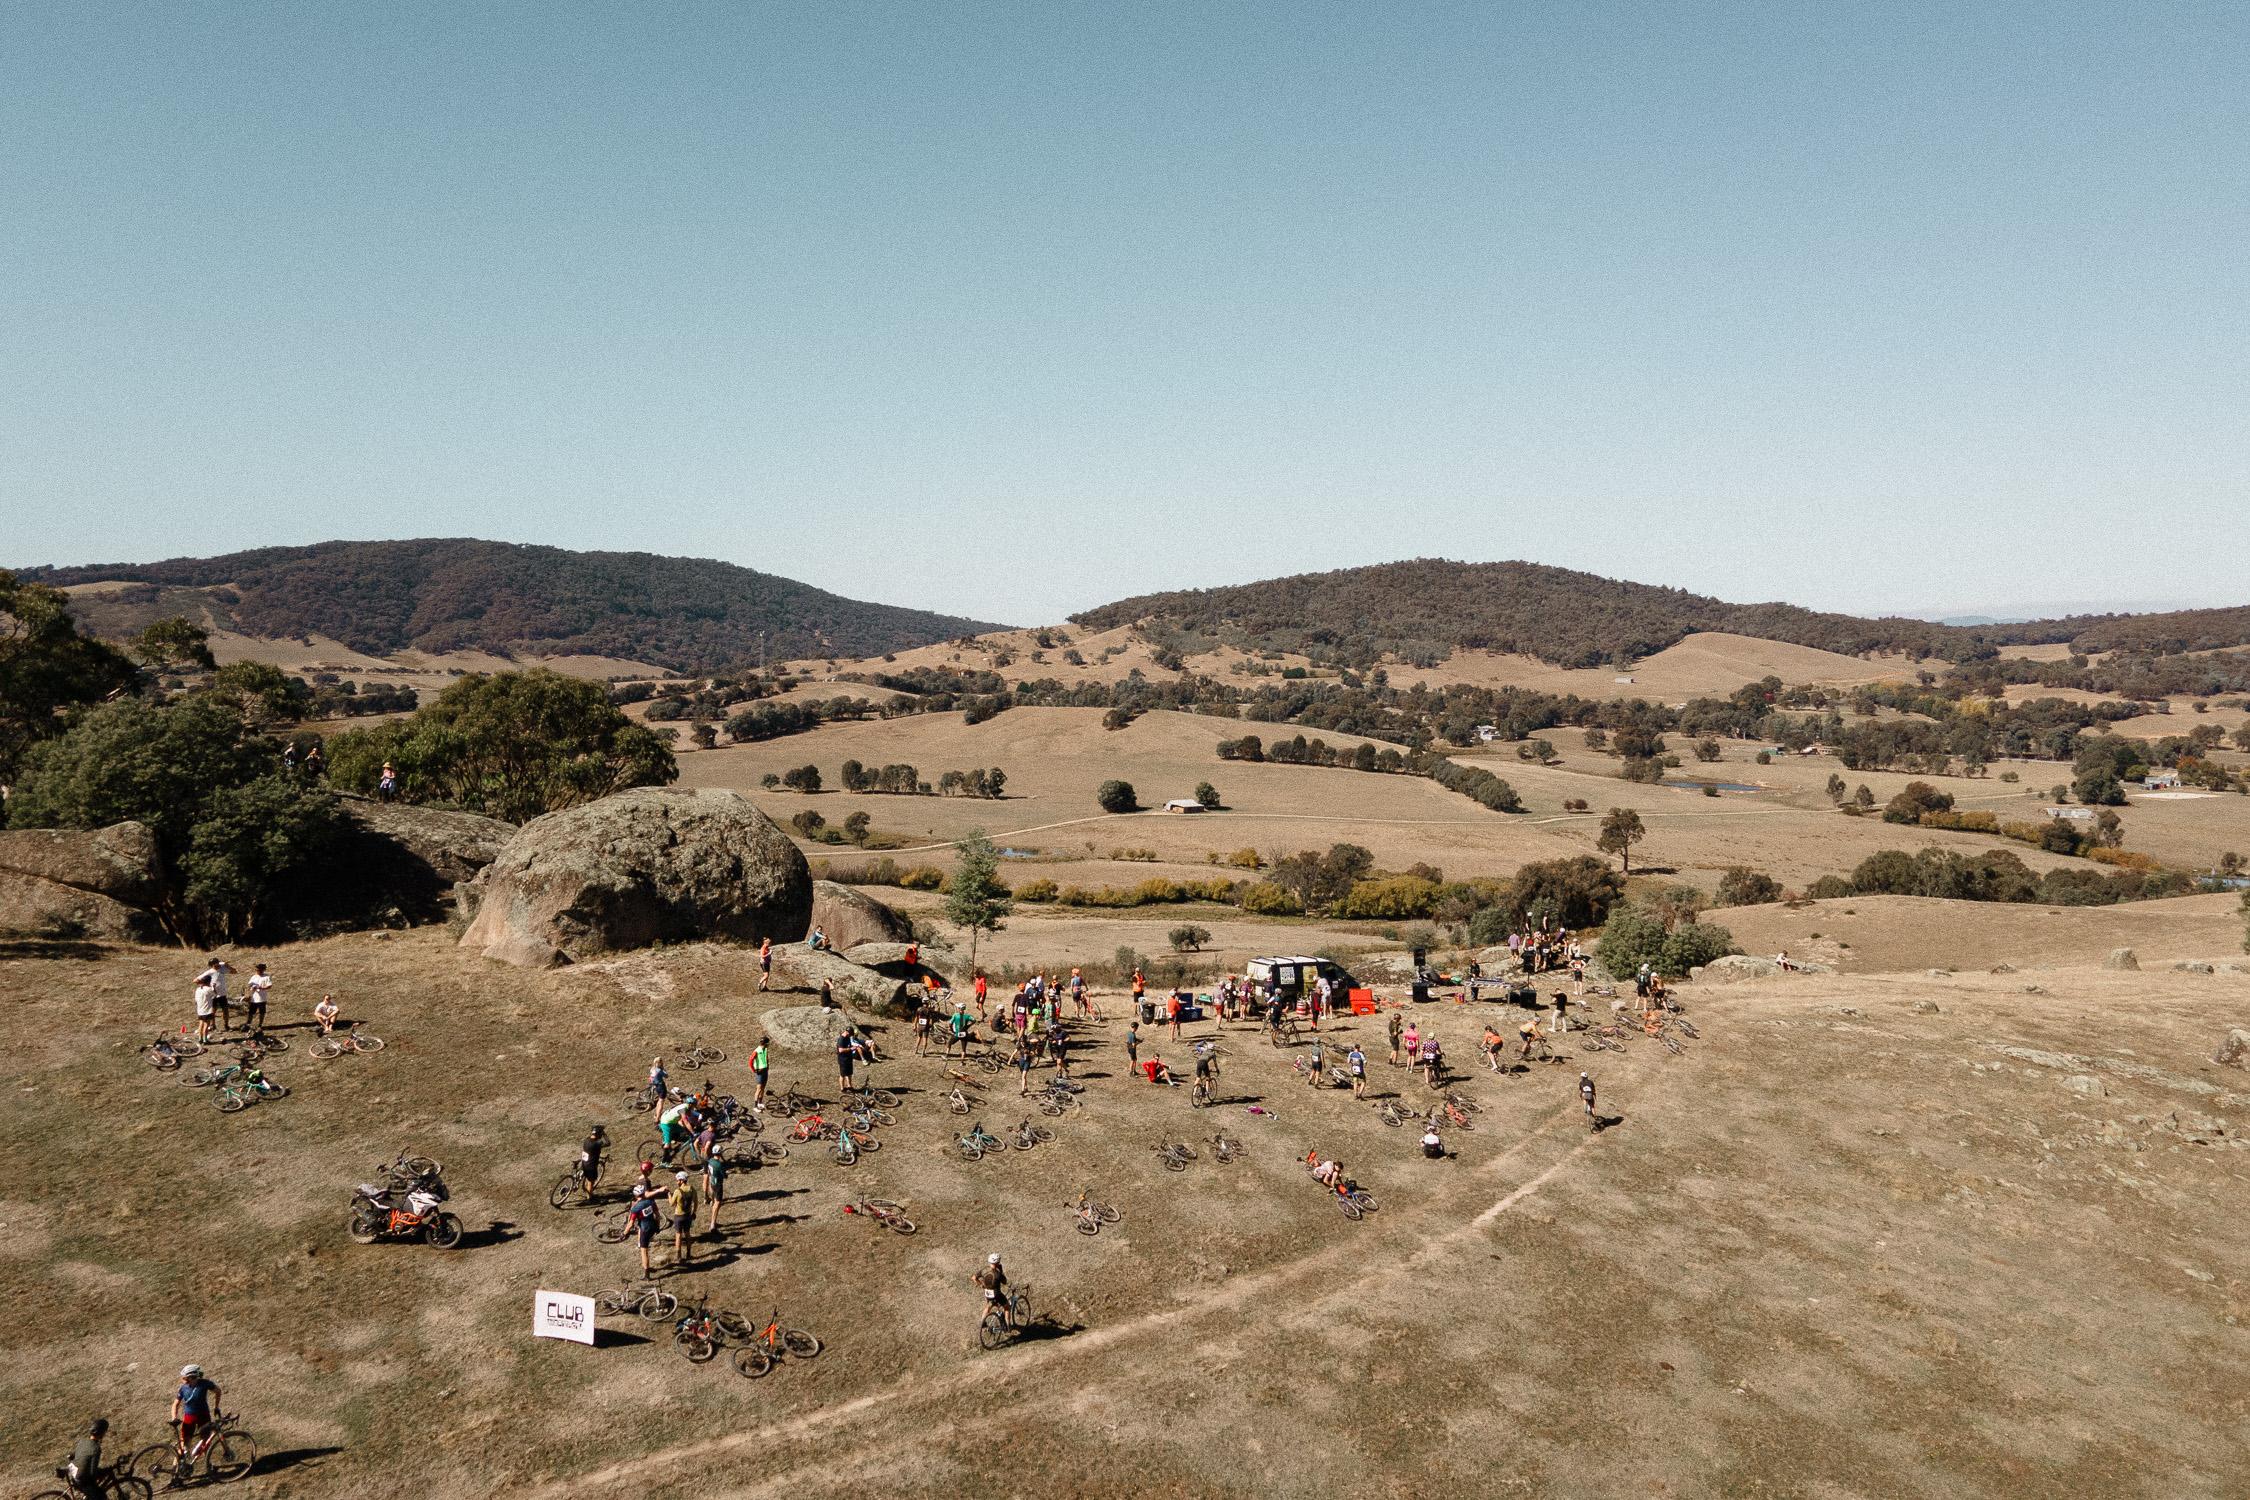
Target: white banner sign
{"points": [[562, 1315]]}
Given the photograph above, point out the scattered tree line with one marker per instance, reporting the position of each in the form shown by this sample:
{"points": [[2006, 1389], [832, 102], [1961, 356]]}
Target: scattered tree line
{"points": [[1473, 782], [897, 779]]}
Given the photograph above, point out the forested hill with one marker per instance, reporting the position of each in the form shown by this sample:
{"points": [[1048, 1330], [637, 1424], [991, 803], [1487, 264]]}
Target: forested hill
{"points": [[1425, 609], [689, 614]]}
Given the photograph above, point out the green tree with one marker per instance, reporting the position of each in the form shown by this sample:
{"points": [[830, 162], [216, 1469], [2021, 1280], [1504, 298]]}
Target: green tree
{"points": [[232, 830], [47, 668], [1742, 886], [511, 744], [1621, 830], [173, 645], [704, 735], [1117, 797], [976, 898], [248, 843], [1207, 794], [1915, 799], [2098, 787], [802, 779], [1706, 750], [1189, 939]]}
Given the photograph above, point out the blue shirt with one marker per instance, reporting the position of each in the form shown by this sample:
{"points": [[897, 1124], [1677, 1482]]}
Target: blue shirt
{"points": [[195, 1400]]}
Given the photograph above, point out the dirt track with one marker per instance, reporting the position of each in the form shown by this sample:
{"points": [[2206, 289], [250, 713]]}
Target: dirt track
{"points": [[1824, 1253]]}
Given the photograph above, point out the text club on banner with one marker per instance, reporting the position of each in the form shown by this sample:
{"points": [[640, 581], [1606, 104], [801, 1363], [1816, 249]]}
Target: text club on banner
{"points": [[562, 1315]]}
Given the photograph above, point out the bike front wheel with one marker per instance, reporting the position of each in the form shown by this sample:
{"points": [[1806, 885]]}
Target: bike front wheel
{"points": [[800, 1344], [231, 1455], [751, 1361], [230, 1104], [444, 1231], [993, 1331], [698, 1348], [566, 1191]]}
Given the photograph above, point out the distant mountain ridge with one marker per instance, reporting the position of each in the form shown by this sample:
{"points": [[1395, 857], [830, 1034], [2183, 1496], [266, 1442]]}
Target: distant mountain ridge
{"points": [[446, 594], [1426, 609]]}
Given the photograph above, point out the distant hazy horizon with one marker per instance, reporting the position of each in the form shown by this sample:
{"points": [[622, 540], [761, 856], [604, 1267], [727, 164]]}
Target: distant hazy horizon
{"points": [[1011, 310]]}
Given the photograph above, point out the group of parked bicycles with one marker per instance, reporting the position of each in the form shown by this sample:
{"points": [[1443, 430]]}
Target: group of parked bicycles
{"points": [[1665, 1027], [702, 1332]]}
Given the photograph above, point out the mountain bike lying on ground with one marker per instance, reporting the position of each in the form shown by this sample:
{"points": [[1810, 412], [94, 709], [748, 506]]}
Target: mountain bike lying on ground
{"points": [[1225, 1147], [891, 1216], [1027, 1135], [648, 1301], [701, 1332], [767, 1346], [1175, 1155], [979, 1143], [168, 1051], [337, 1044], [1091, 1213]]}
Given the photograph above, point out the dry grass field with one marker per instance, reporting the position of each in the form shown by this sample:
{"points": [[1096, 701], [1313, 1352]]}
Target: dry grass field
{"points": [[1841, 1248]]}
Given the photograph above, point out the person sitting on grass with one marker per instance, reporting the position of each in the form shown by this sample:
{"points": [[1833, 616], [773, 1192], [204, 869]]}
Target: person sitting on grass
{"points": [[1433, 1145], [325, 1013], [1158, 1073], [1328, 1172]]}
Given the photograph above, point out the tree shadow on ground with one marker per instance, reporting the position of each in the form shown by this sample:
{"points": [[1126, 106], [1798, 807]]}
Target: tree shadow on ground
{"points": [[34, 947]]}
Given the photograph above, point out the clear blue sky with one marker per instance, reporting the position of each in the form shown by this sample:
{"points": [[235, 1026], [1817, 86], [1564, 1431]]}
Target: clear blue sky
{"points": [[1014, 310]]}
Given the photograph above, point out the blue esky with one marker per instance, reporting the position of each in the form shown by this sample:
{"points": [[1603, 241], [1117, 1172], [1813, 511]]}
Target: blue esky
{"points": [[1014, 310]]}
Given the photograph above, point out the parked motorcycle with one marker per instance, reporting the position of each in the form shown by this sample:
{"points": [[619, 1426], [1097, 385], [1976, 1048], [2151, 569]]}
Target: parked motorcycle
{"points": [[403, 1210]]}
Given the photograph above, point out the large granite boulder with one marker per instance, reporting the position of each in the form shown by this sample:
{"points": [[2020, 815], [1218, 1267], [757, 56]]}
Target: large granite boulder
{"points": [[82, 883], [847, 918], [652, 865], [399, 865]]}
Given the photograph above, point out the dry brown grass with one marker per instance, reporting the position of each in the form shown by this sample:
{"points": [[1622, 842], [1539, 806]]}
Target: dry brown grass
{"points": [[1820, 1254]]}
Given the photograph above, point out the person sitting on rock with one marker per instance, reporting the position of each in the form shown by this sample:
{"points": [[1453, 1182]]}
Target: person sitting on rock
{"points": [[818, 942]]}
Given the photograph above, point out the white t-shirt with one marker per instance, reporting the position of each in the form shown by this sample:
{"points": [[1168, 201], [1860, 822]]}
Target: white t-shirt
{"points": [[260, 984], [218, 973], [203, 999]]}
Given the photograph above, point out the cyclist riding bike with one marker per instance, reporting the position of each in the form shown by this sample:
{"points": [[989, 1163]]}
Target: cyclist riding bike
{"points": [[83, 1470], [195, 1406], [993, 1282]]}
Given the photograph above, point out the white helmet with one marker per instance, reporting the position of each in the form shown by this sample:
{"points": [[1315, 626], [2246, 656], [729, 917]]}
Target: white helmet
{"points": [[992, 1260], [191, 1372]]}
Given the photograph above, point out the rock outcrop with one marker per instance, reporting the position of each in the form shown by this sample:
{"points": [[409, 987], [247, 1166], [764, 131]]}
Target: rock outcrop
{"points": [[647, 866], [847, 919], [399, 866], [2121, 958], [82, 883]]}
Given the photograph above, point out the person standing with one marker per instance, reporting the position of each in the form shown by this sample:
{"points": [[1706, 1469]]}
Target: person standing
{"points": [[1355, 1063], [260, 987], [765, 964], [1586, 1093], [1023, 1065], [981, 987], [847, 1054], [642, 1216], [682, 1203], [203, 1006], [715, 1184], [216, 972], [195, 1405], [1132, 1045], [760, 1061], [1562, 1013], [1172, 1011], [1397, 1030]]}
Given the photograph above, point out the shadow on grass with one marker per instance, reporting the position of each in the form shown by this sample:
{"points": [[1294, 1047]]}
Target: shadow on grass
{"points": [[1605, 1122], [767, 1195], [616, 1338], [289, 1458], [29, 947], [1047, 1330], [498, 1232]]}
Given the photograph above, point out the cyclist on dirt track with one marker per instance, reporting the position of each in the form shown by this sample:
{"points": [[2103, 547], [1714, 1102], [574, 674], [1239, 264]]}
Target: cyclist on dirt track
{"points": [[590, 1157], [195, 1405], [83, 1471], [993, 1282]]}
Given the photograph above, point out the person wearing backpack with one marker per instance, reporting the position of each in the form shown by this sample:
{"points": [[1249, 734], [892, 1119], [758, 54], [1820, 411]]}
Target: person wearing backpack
{"points": [[681, 1200]]}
